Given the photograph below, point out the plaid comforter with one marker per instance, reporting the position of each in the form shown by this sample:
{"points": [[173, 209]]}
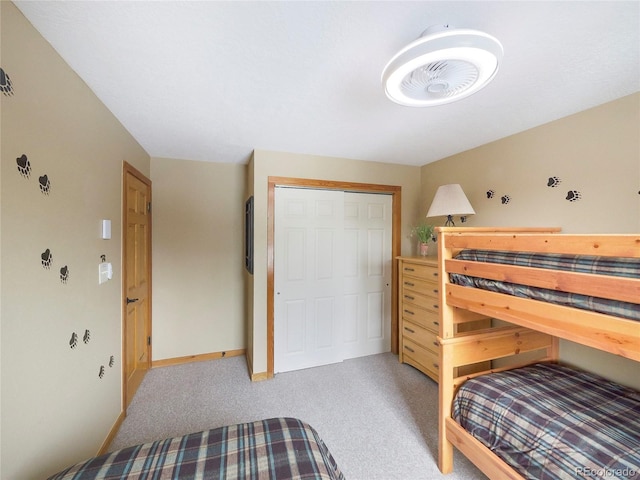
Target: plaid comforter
{"points": [[617, 267], [551, 422], [277, 448]]}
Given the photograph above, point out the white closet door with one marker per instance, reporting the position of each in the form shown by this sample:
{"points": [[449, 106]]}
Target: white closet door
{"points": [[367, 274], [308, 278]]}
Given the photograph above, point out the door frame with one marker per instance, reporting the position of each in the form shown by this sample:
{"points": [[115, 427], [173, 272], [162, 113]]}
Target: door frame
{"points": [[130, 169], [396, 228]]}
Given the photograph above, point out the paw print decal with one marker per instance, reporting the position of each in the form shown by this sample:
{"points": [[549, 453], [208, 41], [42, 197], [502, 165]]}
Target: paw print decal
{"points": [[46, 258], [5, 83], [112, 361], [101, 371], [553, 182], [505, 199], [24, 167], [490, 193], [45, 184], [573, 195], [87, 336], [74, 340], [64, 274]]}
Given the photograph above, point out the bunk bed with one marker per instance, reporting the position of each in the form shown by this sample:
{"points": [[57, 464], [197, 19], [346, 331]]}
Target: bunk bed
{"points": [[544, 287]]}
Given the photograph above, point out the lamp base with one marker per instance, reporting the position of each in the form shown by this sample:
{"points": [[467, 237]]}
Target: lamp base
{"points": [[449, 222]]}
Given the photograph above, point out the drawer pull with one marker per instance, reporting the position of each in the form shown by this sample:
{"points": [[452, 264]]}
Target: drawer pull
{"points": [[436, 306], [435, 290], [435, 365], [409, 284], [409, 269], [435, 274], [409, 330], [409, 312], [410, 349], [436, 323], [435, 343], [409, 297]]}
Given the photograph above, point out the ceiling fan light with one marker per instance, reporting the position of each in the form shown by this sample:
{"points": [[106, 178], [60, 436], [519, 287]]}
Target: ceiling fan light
{"points": [[442, 67]]}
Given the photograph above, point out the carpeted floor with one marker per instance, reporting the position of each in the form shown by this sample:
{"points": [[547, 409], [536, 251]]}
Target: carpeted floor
{"points": [[377, 416]]}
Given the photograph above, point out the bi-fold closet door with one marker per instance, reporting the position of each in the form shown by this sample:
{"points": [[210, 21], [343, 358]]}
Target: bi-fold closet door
{"points": [[332, 276]]}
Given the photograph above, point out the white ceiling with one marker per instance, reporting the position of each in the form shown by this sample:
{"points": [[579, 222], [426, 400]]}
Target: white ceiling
{"points": [[213, 80]]}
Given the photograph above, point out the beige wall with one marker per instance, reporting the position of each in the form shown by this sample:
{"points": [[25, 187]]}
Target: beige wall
{"points": [[55, 408], [266, 164], [198, 257], [595, 152]]}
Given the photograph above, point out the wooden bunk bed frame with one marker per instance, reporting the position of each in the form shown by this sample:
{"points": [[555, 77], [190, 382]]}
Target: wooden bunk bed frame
{"points": [[533, 327]]}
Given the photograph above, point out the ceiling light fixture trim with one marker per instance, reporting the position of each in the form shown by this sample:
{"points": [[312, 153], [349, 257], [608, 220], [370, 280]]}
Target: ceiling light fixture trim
{"points": [[442, 66]]}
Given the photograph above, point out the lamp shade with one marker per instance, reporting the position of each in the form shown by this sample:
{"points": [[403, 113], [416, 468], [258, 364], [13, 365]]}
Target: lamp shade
{"points": [[450, 200]]}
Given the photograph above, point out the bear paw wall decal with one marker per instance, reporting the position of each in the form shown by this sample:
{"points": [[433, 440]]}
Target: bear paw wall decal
{"points": [[112, 361], [87, 336], [101, 371], [553, 182], [45, 184], [64, 274], [505, 199], [24, 167], [74, 340], [490, 193], [5, 83], [46, 257], [573, 195]]}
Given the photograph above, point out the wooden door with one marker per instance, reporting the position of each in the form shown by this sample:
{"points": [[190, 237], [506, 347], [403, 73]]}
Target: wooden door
{"points": [[136, 280]]}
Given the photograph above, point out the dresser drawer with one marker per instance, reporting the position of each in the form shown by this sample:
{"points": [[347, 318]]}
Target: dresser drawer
{"points": [[421, 336], [427, 272], [424, 287], [421, 358], [411, 298], [429, 319]]}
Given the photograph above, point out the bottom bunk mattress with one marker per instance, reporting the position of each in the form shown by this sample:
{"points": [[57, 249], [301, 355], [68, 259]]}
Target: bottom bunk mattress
{"points": [[277, 448], [549, 421]]}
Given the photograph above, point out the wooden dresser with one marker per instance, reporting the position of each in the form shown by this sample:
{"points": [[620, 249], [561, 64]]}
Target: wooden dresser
{"points": [[419, 315]]}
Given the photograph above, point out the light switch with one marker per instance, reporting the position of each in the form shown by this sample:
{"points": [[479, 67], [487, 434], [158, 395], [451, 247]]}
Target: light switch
{"points": [[105, 272]]}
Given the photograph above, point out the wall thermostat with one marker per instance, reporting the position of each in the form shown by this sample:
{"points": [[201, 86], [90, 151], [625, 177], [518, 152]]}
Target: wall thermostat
{"points": [[106, 230]]}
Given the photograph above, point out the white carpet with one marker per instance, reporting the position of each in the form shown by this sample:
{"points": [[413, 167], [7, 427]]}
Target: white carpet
{"points": [[377, 416]]}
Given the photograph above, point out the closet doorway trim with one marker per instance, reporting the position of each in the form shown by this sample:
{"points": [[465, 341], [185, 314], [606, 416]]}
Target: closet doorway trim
{"points": [[394, 190]]}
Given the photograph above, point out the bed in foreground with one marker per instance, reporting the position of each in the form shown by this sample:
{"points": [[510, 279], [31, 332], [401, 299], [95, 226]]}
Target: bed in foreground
{"points": [[276, 448], [582, 288]]}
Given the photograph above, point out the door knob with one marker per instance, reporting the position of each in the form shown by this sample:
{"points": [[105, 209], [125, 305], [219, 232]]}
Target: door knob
{"points": [[131, 300]]}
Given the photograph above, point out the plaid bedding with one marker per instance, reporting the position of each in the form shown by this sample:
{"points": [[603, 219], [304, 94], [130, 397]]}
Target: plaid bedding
{"points": [[551, 422], [277, 448], [617, 267]]}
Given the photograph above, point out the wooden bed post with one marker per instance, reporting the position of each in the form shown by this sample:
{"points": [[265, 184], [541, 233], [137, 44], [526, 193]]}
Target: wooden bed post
{"points": [[445, 384], [445, 392]]}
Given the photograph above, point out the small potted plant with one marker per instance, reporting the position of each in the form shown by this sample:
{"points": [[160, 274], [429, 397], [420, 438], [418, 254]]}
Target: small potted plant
{"points": [[423, 232]]}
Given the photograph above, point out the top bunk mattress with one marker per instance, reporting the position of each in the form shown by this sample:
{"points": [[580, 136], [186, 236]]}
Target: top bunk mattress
{"points": [[610, 266]]}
